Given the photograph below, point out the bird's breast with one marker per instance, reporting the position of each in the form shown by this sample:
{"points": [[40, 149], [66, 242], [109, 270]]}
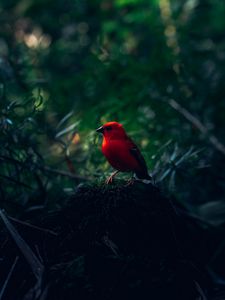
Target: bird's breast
{"points": [[118, 154]]}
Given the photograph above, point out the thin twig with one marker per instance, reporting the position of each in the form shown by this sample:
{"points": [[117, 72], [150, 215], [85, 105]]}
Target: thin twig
{"points": [[198, 124], [66, 174], [47, 169], [33, 226]]}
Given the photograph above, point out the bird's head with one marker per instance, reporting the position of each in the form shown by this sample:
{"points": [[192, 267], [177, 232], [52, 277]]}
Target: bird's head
{"points": [[112, 130]]}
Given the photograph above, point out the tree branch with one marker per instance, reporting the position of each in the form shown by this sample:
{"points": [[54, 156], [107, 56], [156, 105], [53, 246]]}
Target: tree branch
{"points": [[198, 124], [66, 174]]}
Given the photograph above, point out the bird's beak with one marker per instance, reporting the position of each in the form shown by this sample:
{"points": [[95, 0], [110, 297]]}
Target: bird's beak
{"points": [[100, 129]]}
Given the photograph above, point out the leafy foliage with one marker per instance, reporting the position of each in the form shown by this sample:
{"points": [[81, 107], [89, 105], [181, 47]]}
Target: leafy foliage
{"points": [[155, 66], [21, 162]]}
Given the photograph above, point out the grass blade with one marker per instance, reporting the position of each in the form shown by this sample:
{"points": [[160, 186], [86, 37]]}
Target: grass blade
{"points": [[8, 278], [35, 264]]}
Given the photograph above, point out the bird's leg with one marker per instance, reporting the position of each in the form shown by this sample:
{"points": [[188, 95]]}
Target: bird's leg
{"points": [[130, 181], [109, 180]]}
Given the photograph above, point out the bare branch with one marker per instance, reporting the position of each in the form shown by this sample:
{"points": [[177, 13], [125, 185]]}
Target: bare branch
{"points": [[33, 226], [66, 174], [198, 124]]}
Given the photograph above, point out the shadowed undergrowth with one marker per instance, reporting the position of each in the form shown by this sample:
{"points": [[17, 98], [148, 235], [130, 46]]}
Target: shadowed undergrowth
{"points": [[108, 243]]}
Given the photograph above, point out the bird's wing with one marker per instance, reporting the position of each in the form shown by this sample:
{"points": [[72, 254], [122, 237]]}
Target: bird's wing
{"points": [[135, 152]]}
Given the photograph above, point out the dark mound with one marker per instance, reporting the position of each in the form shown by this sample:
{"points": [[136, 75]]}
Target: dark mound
{"points": [[112, 243]]}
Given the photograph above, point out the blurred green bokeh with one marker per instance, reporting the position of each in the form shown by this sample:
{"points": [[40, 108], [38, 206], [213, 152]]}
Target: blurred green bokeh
{"points": [[69, 66]]}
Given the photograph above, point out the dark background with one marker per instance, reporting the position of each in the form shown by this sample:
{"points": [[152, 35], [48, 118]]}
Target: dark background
{"points": [[157, 67]]}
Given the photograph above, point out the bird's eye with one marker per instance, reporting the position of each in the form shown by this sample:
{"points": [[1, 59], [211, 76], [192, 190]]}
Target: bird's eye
{"points": [[108, 128]]}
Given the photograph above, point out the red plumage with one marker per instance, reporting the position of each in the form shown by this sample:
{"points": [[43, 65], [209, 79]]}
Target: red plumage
{"points": [[121, 152]]}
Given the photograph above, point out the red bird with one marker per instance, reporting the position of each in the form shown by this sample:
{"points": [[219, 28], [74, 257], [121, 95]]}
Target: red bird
{"points": [[121, 152]]}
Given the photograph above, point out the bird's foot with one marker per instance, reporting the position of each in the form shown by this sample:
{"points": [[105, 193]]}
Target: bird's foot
{"points": [[109, 180], [130, 182]]}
